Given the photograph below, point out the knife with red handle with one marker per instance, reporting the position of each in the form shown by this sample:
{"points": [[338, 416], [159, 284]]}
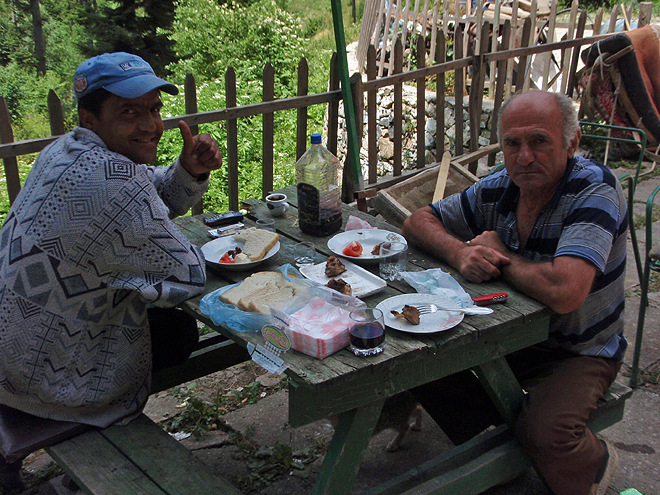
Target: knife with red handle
{"points": [[490, 299]]}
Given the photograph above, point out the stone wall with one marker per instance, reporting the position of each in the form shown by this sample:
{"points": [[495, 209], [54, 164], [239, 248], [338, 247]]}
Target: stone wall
{"points": [[385, 130]]}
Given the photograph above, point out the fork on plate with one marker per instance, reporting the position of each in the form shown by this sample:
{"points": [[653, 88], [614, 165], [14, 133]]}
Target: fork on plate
{"points": [[432, 308]]}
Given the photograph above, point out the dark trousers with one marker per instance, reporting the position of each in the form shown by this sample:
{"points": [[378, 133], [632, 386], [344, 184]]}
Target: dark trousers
{"points": [[174, 335], [562, 391]]}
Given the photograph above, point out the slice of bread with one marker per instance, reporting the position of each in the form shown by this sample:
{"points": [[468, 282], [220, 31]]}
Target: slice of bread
{"points": [[257, 242], [271, 296], [251, 284]]}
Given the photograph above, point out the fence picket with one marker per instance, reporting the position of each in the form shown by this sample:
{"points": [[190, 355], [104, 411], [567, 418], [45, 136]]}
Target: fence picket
{"points": [[421, 105], [459, 82], [301, 113], [232, 140], [398, 108], [55, 115], [440, 57], [268, 134], [372, 116]]}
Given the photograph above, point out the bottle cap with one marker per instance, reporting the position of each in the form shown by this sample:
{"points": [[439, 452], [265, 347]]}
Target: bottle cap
{"points": [[316, 138]]}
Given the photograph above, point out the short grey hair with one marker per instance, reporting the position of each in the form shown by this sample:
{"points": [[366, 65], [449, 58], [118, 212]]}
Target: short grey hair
{"points": [[570, 124]]}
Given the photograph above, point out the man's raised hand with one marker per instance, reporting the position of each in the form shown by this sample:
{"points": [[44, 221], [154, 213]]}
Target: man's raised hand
{"points": [[200, 153]]}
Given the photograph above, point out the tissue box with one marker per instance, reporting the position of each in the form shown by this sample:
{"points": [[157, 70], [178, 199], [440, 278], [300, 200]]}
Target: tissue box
{"points": [[318, 329]]}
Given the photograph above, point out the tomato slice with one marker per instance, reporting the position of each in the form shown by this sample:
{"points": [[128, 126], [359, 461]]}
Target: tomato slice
{"points": [[353, 249], [226, 258]]}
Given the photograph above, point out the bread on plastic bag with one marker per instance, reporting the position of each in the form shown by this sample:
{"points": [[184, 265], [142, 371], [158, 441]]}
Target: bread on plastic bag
{"points": [[315, 320]]}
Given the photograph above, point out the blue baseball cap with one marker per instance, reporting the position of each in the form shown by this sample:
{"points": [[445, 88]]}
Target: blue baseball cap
{"points": [[120, 73]]}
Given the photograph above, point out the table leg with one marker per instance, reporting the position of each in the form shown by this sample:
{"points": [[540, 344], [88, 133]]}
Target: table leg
{"points": [[351, 439], [503, 388]]}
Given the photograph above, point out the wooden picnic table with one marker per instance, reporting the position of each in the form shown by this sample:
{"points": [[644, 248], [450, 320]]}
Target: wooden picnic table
{"points": [[355, 387]]}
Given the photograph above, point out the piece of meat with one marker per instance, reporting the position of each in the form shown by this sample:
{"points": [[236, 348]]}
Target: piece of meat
{"points": [[340, 285], [334, 267], [408, 313], [376, 250]]}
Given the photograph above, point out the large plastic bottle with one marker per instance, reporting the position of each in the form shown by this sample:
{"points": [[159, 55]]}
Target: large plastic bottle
{"points": [[318, 175]]}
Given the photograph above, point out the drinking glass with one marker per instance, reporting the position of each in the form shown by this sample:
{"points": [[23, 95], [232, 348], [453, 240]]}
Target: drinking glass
{"points": [[367, 331], [392, 262], [303, 254], [266, 224]]}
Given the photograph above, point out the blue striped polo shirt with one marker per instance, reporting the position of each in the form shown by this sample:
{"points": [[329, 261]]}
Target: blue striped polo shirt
{"points": [[587, 218]]}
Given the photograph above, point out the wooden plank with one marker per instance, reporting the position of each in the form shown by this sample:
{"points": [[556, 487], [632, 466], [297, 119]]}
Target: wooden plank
{"points": [[645, 13], [440, 56], [494, 455], [398, 108], [99, 468], [459, 84], [579, 33], [443, 174], [421, 104], [55, 115], [502, 387], [547, 57], [172, 466], [372, 116], [499, 91], [532, 37], [512, 44]]}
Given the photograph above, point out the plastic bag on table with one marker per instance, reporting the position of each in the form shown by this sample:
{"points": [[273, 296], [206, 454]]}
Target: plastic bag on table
{"points": [[243, 321], [440, 283], [317, 323]]}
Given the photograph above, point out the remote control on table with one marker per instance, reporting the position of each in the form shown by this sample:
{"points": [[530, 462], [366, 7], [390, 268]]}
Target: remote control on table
{"points": [[223, 218]]}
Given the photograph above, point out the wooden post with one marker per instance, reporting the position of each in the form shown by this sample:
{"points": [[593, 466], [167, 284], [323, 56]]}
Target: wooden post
{"points": [[190, 99], [421, 104], [613, 18], [232, 140], [333, 107], [302, 142], [10, 163], [55, 115], [579, 33], [645, 12], [522, 62], [532, 38], [493, 47], [598, 21], [386, 40], [268, 134], [372, 116], [499, 90], [398, 107], [477, 94], [440, 57]]}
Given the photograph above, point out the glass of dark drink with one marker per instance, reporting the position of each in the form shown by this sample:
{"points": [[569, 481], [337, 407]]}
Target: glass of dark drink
{"points": [[367, 331]]}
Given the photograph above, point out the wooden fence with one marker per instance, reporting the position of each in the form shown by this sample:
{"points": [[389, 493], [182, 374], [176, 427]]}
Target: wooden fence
{"points": [[364, 95]]}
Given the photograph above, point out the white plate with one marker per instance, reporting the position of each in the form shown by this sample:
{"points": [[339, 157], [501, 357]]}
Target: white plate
{"points": [[368, 238], [215, 249], [428, 323], [362, 282]]}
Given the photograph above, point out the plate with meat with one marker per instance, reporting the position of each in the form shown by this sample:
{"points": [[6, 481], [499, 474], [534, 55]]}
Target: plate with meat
{"points": [[362, 246], [400, 313], [344, 276]]}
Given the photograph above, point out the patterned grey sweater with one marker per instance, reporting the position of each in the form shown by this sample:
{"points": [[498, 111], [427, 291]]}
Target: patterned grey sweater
{"points": [[87, 245]]}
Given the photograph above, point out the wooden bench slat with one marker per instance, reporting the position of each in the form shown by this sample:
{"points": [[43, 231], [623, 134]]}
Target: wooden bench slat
{"points": [[99, 468], [489, 458], [171, 465]]}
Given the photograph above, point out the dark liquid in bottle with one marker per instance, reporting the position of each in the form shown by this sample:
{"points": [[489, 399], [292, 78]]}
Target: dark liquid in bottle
{"points": [[367, 336]]}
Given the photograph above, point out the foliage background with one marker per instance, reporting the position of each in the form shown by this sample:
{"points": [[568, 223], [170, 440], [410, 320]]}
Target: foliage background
{"points": [[203, 37]]}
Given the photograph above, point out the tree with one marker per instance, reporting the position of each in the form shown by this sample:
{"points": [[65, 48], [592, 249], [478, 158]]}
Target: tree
{"points": [[141, 27], [38, 35]]}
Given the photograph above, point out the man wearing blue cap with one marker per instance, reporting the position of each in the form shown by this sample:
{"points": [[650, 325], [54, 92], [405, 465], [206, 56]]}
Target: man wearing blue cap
{"points": [[90, 258]]}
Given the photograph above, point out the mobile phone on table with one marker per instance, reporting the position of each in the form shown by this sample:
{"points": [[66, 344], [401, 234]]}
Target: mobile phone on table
{"points": [[218, 219]]}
